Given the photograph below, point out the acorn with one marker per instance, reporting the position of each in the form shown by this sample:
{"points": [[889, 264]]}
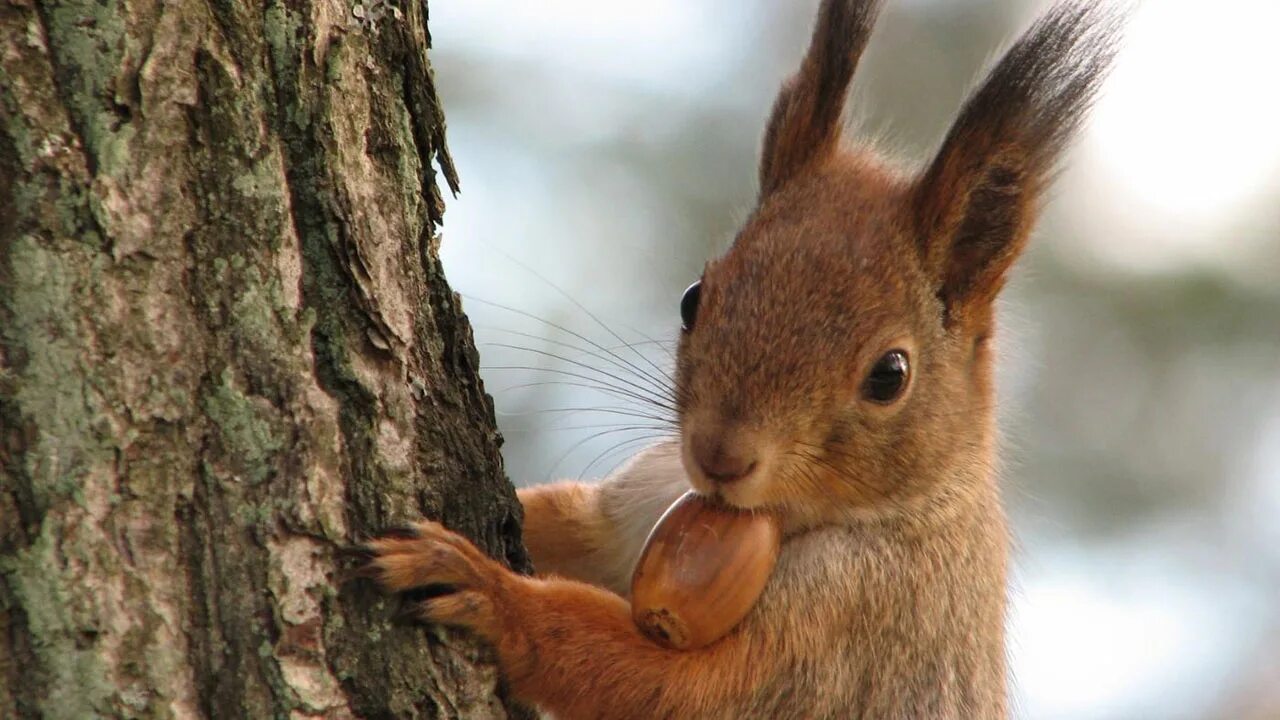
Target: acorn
{"points": [[702, 569]]}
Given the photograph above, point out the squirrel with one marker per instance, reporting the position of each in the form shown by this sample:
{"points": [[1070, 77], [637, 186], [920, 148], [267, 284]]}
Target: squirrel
{"points": [[834, 366]]}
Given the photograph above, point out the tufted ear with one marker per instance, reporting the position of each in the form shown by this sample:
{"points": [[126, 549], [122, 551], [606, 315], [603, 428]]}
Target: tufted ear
{"points": [[806, 118], [977, 200]]}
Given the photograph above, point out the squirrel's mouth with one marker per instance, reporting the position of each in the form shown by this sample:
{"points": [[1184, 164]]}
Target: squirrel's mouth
{"points": [[747, 493]]}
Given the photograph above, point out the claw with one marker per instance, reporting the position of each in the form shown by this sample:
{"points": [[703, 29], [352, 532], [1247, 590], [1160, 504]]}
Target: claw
{"points": [[356, 553], [408, 614], [415, 601], [428, 592], [359, 558], [367, 571], [401, 532]]}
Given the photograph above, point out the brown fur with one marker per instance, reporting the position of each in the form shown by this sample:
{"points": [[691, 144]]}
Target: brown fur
{"points": [[888, 597], [560, 520]]}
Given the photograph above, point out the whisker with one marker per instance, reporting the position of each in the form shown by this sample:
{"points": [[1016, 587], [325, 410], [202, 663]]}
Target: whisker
{"points": [[580, 336], [583, 441], [626, 412], [665, 345], [601, 384], [661, 386], [817, 460], [557, 428], [660, 391], [620, 446], [663, 417], [580, 306], [651, 341]]}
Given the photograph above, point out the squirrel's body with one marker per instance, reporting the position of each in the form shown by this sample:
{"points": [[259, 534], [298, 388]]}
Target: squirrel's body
{"points": [[843, 605], [834, 369]]}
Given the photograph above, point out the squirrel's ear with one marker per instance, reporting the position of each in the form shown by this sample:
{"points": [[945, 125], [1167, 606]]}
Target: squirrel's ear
{"points": [[977, 200], [806, 118]]}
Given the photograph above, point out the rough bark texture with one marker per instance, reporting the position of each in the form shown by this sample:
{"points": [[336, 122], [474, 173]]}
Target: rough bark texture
{"points": [[226, 350]]}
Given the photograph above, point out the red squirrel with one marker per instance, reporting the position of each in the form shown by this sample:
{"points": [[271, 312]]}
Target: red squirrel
{"points": [[834, 367]]}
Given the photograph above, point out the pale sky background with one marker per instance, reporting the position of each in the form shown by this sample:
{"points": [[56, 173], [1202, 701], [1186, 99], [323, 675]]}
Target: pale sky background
{"points": [[607, 149]]}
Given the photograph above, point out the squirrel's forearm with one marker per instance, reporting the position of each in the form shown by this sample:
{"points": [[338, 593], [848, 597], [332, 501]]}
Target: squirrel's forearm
{"points": [[573, 650]]}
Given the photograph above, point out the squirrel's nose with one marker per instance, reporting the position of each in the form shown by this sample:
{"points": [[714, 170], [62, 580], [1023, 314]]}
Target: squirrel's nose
{"points": [[721, 461]]}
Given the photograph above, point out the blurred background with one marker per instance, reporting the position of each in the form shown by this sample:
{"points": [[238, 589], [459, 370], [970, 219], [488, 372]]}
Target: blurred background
{"points": [[607, 149]]}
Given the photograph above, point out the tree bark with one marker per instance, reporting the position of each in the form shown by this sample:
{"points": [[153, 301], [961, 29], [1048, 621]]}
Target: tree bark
{"points": [[227, 349]]}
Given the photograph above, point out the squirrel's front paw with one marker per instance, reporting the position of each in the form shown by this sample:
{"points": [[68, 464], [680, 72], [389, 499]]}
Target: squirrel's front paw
{"points": [[459, 581]]}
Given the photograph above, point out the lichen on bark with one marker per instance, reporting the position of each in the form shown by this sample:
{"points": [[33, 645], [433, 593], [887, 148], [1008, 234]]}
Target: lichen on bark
{"points": [[227, 350]]}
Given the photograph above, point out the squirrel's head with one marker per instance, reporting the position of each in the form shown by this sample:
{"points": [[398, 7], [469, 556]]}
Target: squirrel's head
{"points": [[836, 360]]}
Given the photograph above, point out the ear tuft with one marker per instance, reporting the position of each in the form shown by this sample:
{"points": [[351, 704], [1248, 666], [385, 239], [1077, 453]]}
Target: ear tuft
{"points": [[977, 200], [806, 118]]}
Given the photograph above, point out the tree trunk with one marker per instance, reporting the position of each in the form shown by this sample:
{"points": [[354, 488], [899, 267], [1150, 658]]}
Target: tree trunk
{"points": [[227, 350]]}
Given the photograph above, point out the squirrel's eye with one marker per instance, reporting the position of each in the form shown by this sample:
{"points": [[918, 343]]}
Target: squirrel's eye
{"points": [[888, 378], [689, 305]]}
